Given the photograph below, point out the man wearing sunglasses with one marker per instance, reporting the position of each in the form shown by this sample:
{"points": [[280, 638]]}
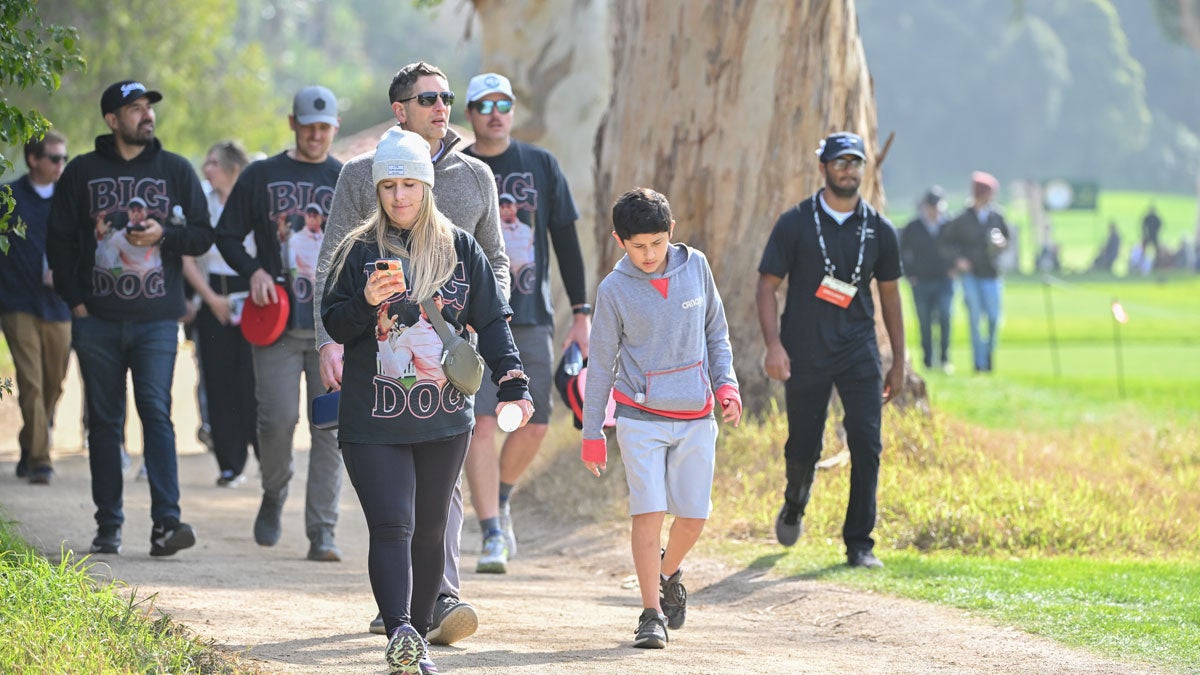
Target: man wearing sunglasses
{"points": [[533, 187], [466, 192], [830, 246], [36, 322]]}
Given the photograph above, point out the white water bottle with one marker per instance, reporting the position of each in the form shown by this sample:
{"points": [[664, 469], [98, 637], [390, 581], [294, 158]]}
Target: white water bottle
{"points": [[510, 417]]}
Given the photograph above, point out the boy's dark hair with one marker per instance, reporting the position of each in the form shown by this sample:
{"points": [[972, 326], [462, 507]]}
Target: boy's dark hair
{"points": [[403, 81], [641, 211], [36, 147]]}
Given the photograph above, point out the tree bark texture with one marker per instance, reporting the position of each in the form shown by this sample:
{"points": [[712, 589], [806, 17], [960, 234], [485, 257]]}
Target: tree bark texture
{"points": [[557, 54], [721, 105]]}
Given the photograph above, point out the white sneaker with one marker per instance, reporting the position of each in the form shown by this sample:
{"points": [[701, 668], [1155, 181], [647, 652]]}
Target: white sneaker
{"points": [[494, 559], [506, 524]]}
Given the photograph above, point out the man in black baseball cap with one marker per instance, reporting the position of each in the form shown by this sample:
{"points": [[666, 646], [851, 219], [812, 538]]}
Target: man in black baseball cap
{"points": [[123, 93], [126, 319]]}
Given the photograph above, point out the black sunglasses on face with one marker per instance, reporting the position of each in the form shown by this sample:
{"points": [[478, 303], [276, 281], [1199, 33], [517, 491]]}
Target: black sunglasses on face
{"points": [[486, 107], [57, 159], [429, 98]]}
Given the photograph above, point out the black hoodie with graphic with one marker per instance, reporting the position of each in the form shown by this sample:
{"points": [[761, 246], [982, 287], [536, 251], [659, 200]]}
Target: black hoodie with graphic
{"points": [[93, 262]]}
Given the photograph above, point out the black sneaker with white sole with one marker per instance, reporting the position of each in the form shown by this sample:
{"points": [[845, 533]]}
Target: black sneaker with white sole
{"points": [[453, 620], [171, 538], [108, 540], [651, 632], [673, 598]]}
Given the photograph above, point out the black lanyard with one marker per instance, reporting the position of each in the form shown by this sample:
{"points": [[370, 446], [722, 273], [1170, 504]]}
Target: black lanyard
{"points": [[862, 242]]}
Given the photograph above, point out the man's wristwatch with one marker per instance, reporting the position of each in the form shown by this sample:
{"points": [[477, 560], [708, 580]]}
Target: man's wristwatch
{"points": [[584, 309]]}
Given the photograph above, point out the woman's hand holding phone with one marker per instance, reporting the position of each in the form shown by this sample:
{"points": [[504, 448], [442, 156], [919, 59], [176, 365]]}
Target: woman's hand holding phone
{"points": [[387, 280]]}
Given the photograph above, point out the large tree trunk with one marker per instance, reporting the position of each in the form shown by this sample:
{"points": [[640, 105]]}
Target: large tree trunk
{"points": [[558, 55], [720, 106]]}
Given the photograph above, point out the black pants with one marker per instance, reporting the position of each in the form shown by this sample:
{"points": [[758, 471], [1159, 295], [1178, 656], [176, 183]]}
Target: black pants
{"points": [[405, 493], [860, 387], [228, 364]]}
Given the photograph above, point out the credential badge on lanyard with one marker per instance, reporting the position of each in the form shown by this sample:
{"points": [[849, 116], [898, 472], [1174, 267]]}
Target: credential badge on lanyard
{"points": [[834, 290]]}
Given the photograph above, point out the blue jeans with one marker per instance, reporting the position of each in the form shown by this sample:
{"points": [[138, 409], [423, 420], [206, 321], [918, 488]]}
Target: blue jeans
{"points": [[106, 351], [982, 296], [933, 299]]}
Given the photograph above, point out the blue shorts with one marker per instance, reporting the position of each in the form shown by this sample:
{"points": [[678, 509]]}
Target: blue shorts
{"points": [[669, 465]]}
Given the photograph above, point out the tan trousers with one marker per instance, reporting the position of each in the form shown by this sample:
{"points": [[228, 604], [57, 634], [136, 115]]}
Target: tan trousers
{"points": [[40, 350]]}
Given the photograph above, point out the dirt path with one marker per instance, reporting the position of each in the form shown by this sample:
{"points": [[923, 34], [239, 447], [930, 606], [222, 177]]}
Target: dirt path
{"points": [[566, 606]]}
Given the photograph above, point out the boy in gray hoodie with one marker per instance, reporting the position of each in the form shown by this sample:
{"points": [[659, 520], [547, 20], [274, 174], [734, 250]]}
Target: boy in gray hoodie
{"points": [[660, 344]]}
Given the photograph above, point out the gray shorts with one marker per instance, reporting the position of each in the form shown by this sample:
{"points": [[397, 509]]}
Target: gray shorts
{"points": [[534, 343], [669, 465]]}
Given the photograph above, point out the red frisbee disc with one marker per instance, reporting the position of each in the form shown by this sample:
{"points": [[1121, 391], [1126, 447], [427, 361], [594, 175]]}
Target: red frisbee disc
{"points": [[263, 325]]}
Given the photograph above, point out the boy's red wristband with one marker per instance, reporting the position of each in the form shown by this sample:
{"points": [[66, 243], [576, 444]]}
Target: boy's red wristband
{"points": [[728, 392], [594, 450]]}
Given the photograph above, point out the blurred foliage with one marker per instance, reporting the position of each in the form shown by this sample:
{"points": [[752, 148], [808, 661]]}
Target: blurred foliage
{"points": [[229, 69], [33, 55], [1084, 89]]}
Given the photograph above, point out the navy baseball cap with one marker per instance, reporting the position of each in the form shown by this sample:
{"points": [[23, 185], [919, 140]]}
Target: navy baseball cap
{"points": [[839, 144], [123, 93]]}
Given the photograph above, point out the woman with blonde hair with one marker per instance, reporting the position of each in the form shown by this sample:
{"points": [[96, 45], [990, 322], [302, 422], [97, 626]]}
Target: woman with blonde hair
{"points": [[224, 357], [404, 438]]}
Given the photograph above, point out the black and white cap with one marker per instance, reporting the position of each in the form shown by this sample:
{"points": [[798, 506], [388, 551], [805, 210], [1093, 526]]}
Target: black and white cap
{"points": [[121, 94]]}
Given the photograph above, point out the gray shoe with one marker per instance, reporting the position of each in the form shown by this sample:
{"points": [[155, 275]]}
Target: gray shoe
{"points": [[322, 549], [673, 597], [506, 524], [453, 620], [377, 626], [865, 559], [789, 526], [651, 632], [494, 559], [267, 528]]}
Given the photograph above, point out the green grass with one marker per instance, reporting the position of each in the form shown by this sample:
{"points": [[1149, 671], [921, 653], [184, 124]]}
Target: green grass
{"points": [[1159, 356], [1128, 609], [1081, 234], [56, 619]]}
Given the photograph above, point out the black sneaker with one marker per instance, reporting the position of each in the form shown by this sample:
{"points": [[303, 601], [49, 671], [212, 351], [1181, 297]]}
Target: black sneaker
{"points": [[377, 626], [108, 540], [322, 548], [651, 631], [23, 468], [865, 559], [673, 598], [788, 525], [171, 538], [453, 620], [267, 525]]}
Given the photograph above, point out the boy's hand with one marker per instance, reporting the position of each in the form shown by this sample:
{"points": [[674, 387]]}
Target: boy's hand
{"points": [[732, 411], [595, 467]]}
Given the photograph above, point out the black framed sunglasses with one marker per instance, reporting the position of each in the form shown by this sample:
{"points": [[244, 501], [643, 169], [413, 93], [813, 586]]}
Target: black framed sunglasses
{"points": [[57, 159], [429, 98], [486, 107]]}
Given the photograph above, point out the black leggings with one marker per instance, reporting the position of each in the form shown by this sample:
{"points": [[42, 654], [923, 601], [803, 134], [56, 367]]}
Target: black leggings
{"points": [[405, 493]]}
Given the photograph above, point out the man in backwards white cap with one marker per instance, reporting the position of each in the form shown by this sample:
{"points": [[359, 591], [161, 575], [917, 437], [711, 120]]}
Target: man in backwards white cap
{"points": [[535, 191]]}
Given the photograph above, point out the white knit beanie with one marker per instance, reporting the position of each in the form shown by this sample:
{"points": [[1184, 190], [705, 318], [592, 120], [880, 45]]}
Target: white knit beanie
{"points": [[402, 154]]}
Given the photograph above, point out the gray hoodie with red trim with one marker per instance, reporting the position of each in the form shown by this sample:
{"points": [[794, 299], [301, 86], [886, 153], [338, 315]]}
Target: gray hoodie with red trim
{"points": [[659, 342]]}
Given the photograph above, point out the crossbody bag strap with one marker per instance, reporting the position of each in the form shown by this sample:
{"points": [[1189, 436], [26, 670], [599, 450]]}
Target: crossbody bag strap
{"points": [[438, 321]]}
